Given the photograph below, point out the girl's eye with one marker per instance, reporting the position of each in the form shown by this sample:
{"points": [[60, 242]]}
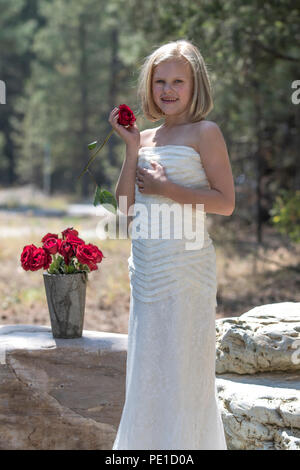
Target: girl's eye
{"points": [[157, 81]]}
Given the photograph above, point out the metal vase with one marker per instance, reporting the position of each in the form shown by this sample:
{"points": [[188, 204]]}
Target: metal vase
{"points": [[66, 303]]}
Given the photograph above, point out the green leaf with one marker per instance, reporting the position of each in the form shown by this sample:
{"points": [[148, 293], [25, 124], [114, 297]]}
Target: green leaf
{"points": [[107, 199], [85, 267], [52, 270], [92, 145], [97, 196], [71, 269], [55, 265]]}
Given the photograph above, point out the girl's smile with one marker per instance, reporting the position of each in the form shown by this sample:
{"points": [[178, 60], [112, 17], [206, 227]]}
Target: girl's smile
{"points": [[168, 101]]}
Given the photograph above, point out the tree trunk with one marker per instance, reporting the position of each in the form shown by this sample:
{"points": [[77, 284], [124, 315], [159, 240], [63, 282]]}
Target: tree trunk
{"points": [[85, 181], [114, 67], [258, 154]]}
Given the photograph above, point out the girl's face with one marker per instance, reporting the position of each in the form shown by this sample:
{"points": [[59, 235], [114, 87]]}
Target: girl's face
{"points": [[172, 80]]}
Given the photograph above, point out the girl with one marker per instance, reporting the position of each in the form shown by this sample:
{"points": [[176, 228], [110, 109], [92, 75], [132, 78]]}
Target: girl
{"points": [[171, 397]]}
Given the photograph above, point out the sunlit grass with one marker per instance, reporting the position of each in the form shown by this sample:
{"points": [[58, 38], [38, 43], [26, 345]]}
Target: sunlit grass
{"points": [[243, 280], [31, 294], [9, 300]]}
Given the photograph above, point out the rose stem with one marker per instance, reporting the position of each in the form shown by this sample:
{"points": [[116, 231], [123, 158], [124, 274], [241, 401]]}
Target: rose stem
{"points": [[93, 156]]}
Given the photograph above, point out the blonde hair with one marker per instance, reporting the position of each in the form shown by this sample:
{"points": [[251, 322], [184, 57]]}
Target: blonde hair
{"points": [[202, 102]]}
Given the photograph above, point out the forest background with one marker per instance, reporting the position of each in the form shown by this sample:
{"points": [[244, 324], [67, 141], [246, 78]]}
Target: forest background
{"points": [[65, 65]]}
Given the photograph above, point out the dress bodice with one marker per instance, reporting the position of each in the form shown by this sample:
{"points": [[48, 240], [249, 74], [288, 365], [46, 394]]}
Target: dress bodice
{"points": [[183, 166], [165, 244]]}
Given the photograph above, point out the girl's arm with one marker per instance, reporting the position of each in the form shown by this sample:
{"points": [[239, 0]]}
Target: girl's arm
{"points": [[220, 199], [126, 183], [125, 187]]}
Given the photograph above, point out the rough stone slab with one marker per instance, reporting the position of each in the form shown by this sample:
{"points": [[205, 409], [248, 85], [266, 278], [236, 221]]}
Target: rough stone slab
{"points": [[69, 394], [266, 338], [60, 393], [262, 411]]}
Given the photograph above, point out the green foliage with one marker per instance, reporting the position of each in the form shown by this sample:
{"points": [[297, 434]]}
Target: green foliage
{"points": [[67, 63], [58, 266], [92, 145], [286, 214], [106, 199], [66, 101]]}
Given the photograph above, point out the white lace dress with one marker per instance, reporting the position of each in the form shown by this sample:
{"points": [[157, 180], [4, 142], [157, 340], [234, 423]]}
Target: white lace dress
{"points": [[171, 397]]}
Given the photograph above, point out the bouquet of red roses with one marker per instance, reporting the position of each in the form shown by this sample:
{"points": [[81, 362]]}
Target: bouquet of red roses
{"points": [[67, 255]]}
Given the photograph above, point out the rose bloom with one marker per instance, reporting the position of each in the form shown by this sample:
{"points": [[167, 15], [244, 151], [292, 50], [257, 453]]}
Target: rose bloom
{"points": [[52, 245], [66, 250], [33, 258], [69, 231], [126, 116], [26, 256], [74, 241], [49, 235], [90, 255], [40, 259]]}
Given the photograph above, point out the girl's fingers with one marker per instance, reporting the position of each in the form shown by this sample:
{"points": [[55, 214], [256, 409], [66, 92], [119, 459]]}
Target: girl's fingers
{"points": [[114, 112]]}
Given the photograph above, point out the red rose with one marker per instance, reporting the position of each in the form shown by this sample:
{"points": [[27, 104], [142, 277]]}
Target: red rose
{"points": [[69, 231], [90, 255], [126, 116], [74, 241], [52, 245], [66, 250], [33, 258], [26, 256], [49, 235], [97, 253], [40, 259]]}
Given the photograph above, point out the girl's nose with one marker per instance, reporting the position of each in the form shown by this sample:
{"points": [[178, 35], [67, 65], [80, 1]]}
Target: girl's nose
{"points": [[167, 87]]}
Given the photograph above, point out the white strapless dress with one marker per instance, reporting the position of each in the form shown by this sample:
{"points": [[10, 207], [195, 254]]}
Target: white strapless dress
{"points": [[171, 398]]}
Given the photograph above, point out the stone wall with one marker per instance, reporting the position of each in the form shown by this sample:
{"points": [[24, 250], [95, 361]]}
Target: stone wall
{"points": [[258, 377], [69, 393], [60, 393]]}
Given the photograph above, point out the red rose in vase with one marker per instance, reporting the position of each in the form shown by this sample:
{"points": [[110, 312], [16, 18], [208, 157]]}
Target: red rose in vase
{"points": [[90, 255], [33, 258], [69, 231], [74, 241], [52, 245], [59, 256], [26, 256], [49, 235], [41, 259], [67, 251]]}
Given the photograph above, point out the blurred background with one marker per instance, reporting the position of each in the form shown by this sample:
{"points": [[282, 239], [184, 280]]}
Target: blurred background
{"points": [[64, 64]]}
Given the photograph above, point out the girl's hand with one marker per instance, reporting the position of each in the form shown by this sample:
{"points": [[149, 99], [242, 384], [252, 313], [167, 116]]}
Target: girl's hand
{"points": [[130, 134], [152, 181]]}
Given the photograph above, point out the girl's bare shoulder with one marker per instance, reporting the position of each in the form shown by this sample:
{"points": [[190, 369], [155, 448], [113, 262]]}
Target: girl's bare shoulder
{"points": [[191, 134], [146, 135], [196, 132], [205, 125], [203, 131]]}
